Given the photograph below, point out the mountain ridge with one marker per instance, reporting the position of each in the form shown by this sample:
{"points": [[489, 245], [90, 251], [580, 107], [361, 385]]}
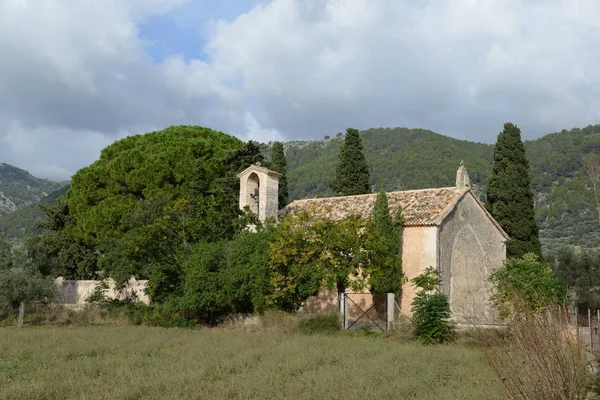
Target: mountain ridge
{"points": [[18, 188]]}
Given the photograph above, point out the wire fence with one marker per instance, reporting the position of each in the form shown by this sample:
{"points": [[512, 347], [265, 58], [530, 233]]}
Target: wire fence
{"points": [[368, 311]]}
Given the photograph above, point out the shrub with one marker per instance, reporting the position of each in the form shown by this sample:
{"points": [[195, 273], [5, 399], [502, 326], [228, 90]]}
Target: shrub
{"points": [[525, 286], [431, 311], [541, 357], [98, 295], [320, 323], [165, 315]]}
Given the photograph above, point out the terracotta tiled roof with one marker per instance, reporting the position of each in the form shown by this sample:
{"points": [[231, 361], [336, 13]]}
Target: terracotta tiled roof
{"points": [[425, 207]]}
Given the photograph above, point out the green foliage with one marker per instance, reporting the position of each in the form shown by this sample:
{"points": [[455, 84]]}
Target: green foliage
{"points": [[295, 270], [227, 276], [386, 270], [525, 286], [431, 310], [398, 159], [311, 253], [509, 196], [579, 271], [98, 295], [165, 315], [56, 253], [352, 172], [19, 280], [150, 197], [319, 323], [279, 164]]}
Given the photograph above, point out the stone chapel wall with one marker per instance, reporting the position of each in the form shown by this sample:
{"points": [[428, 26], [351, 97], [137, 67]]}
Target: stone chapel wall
{"points": [[419, 251], [470, 248]]}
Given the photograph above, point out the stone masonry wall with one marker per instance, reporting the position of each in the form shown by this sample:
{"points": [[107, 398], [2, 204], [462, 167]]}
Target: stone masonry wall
{"points": [[74, 293], [470, 248], [419, 251]]}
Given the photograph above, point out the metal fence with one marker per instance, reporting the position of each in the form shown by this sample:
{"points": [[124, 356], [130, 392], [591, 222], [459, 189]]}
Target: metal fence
{"points": [[588, 324], [369, 311]]}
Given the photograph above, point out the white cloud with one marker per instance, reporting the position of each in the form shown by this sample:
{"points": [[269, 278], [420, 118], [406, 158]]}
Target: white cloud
{"points": [[75, 74]]}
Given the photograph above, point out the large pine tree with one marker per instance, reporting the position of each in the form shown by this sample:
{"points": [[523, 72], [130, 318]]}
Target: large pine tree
{"points": [[509, 196], [352, 173], [279, 164]]}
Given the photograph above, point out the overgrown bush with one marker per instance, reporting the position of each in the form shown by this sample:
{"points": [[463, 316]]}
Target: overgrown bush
{"points": [[540, 357], [228, 277], [165, 315], [319, 323], [98, 295], [430, 308], [525, 286]]}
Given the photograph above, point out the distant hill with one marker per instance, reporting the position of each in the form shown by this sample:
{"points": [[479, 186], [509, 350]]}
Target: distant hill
{"points": [[20, 193], [401, 159], [19, 188], [25, 221]]}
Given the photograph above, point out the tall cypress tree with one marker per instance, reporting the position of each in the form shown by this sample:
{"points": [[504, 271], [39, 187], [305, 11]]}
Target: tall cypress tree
{"points": [[279, 164], [386, 276], [352, 173], [509, 196]]}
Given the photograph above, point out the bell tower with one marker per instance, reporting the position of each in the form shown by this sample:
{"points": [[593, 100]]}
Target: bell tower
{"points": [[462, 177], [259, 189]]}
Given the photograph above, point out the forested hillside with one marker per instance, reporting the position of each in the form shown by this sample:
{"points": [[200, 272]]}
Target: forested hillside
{"points": [[25, 221], [401, 159], [19, 188]]}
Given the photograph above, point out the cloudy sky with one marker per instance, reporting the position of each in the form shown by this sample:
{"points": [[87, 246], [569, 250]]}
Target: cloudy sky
{"points": [[76, 75]]}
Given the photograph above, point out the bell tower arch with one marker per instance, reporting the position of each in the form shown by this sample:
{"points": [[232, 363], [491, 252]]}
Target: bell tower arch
{"points": [[259, 189]]}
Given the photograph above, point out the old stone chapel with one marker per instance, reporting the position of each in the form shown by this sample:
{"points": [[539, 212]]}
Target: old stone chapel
{"points": [[447, 228]]}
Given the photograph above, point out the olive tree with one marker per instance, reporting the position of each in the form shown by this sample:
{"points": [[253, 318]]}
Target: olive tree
{"points": [[20, 281]]}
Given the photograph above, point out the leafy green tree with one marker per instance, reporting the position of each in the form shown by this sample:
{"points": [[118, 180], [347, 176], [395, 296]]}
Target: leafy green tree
{"points": [[345, 256], [313, 253], [58, 253], [149, 197], [386, 271], [524, 286], [228, 276], [295, 271], [509, 196], [352, 173], [21, 282], [279, 164], [431, 310], [579, 271], [5, 254]]}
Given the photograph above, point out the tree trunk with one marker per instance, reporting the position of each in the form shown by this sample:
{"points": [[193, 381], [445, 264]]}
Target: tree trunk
{"points": [[21, 314], [596, 197]]}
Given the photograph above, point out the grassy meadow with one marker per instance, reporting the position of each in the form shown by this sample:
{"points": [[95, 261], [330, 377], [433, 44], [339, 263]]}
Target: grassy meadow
{"points": [[136, 362]]}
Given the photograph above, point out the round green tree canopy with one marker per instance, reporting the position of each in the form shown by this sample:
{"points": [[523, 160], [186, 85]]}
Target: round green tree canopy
{"points": [[141, 167]]}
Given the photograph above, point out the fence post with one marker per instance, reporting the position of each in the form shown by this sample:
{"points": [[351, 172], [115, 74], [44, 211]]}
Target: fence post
{"points": [[346, 311], [391, 311], [590, 328], [598, 327], [342, 300]]}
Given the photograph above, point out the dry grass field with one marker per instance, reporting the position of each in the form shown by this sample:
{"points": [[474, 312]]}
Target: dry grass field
{"points": [[133, 362]]}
